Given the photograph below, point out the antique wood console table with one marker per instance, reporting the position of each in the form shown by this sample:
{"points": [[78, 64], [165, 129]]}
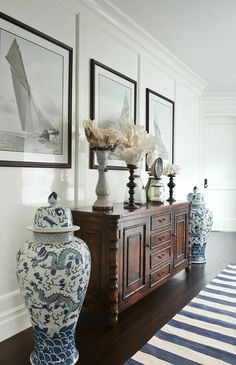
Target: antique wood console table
{"points": [[133, 252]]}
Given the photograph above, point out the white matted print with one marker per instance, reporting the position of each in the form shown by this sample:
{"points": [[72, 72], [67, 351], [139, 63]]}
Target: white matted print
{"points": [[113, 98], [160, 123], [35, 93]]}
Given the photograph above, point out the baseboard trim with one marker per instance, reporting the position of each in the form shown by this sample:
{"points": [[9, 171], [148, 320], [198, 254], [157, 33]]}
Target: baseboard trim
{"points": [[15, 319], [224, 225]]}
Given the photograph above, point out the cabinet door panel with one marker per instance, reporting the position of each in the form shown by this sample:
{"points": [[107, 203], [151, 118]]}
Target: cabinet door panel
{"points": [[180, 254], [134, 268]]}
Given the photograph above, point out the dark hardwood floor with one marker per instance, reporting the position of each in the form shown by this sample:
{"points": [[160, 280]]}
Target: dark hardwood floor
{"points": [[99, 345]]}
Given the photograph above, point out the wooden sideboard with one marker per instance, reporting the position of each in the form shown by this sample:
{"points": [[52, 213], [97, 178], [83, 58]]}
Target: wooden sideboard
{"points": [[133, 252]]}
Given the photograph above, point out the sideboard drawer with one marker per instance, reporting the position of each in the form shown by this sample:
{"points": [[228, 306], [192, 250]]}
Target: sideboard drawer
{"points": [[158, 257], [161, 220], [160, 274], [160, 238]]}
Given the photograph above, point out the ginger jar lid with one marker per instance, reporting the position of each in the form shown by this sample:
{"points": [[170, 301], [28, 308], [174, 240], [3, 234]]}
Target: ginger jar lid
{"points": [[54, 218], [195, 197]]}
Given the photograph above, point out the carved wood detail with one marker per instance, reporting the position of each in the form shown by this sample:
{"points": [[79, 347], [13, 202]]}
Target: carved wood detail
{"points": [[113, 237]]}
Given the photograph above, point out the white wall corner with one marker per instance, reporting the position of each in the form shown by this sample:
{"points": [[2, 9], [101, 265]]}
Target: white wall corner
{"points": [[13, 320]]}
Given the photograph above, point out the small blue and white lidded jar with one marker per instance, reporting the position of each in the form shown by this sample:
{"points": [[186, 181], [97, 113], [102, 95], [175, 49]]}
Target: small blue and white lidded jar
{"points": [[201, 223], [53, 270]]}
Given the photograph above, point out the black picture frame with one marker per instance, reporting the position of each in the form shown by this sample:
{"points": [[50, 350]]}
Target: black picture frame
{"points": [[35, 97], [110, 89], [160, 114]]}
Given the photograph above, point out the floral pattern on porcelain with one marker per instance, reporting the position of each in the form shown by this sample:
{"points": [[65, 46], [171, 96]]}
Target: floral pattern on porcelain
{"points": [[201, 223], [53, 273]]}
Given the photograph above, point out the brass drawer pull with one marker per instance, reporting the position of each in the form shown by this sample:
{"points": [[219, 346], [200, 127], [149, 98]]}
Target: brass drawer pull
{"points": [[161, 256], [161, 220], [161, 238]]}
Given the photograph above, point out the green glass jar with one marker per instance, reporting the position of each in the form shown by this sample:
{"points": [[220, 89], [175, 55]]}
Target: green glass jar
{"points": [[151, 179], [156, 191]]}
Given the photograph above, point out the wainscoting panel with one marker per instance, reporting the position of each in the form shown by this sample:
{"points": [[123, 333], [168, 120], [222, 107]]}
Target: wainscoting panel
{"points": [[15, 319]]}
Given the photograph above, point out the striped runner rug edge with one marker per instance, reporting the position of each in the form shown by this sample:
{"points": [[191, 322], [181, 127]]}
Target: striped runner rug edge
{"points": [[203, 332]]}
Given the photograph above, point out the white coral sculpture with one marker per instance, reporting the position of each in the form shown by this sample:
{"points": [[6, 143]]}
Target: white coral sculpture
{"points": [[171, 169], [102, 139], [136, 143]]}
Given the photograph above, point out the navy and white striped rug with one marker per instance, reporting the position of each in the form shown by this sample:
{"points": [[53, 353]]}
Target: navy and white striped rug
{"points": [[203, 332]]}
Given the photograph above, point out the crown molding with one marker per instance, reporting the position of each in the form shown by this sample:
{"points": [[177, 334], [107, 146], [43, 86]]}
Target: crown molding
{"points": [[224, 95], [108, 11], [219, 103], [112, 14], [70, 4]]}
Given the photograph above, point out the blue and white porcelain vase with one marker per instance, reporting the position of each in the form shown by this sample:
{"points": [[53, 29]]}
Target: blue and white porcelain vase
{"points": [[53, 270], [201, 223]]}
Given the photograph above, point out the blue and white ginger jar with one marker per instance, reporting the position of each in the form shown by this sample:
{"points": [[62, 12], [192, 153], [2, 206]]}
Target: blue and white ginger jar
{"points": [[53, 270], [201, 223]]}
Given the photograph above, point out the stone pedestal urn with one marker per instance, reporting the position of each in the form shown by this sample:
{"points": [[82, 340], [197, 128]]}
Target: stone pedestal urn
{"points": [[201, 223], [53, 271], [102, 189]]}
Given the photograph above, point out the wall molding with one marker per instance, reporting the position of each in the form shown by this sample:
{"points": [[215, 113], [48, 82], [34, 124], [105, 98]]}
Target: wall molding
{"points": [[13, 320], [219, 95], [218, 109], [145, 40], [70, 4], [218, 104]]}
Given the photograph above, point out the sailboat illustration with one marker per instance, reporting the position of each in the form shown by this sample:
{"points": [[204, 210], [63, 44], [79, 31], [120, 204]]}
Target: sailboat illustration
{"points": [[125, 109], [34, 122], [162, 151]]}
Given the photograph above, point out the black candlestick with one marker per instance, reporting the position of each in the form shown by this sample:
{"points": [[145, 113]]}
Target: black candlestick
{"points": [[171, 186], [131, 185]]}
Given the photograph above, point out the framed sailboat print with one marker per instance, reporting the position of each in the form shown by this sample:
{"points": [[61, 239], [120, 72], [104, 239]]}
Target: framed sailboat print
{"points": [[112, 99], [160, 123], [35, 97]]}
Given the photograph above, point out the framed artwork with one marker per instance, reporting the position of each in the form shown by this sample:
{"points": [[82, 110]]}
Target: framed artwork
{"points": [[160, 123], [35, 97], [112, 98]]}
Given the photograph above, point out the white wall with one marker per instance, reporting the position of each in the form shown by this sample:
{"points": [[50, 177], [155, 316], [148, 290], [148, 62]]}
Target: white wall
{"points": [[100, 32], [24, 189], [187, 139], [116, 41]]}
